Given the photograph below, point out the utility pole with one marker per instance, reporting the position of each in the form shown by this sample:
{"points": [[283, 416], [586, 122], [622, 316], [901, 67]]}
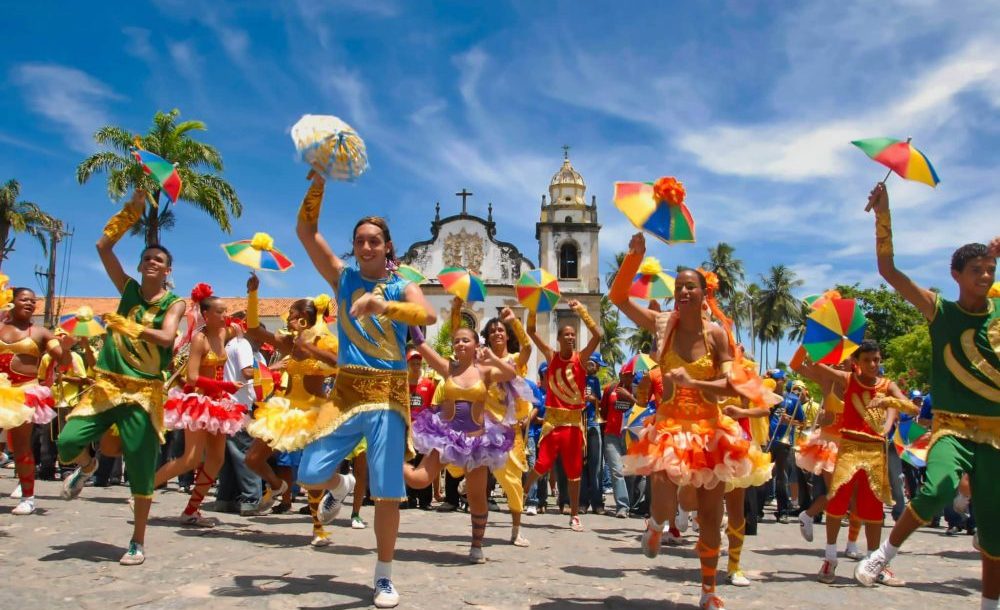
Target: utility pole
{"points": [[56, 234]]}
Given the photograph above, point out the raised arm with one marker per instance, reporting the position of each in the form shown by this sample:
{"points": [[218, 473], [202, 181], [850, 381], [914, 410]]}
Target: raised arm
{"points": [[434, 360], [113, 231], [641, 316], [498, 370], [536, 339], [255, 331], [595, 330], [326, 262], [524, 342], [924, 300], [826, 376]]}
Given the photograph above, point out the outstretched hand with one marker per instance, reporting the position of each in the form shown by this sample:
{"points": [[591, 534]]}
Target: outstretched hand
{"points": [[878, 199], [507, 315], [994, 247], [637, 245], [366, 305], [253, 282]]}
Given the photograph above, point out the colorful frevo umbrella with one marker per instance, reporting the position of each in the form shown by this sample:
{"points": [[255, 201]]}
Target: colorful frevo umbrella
{"points": [[161, 170], [815, 301], [258, 253], [657, 208], [651, 283], [82, 323], [459, 282], [409, 273], [900, 157], [635, 419], [330, 146], [834, 331], [911, 441], [643, 363], [537, 290]]}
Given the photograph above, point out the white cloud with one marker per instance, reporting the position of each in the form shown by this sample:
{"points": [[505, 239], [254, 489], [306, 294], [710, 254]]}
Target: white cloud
{"points": [[72, 99], [187, 61]]}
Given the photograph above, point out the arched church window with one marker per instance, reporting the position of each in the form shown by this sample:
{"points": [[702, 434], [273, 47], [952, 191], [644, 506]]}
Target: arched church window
{"points": [[569, 219], [568, 261], [470, 321]]}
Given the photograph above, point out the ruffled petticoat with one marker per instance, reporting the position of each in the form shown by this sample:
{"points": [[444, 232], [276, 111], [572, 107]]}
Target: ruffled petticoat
{"points": [[459, 449], [195, 412], [816, 454], [699, 453], [29, 403], [283, 424]]}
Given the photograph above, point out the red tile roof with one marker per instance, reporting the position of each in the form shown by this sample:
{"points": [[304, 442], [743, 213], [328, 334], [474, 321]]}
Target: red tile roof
{"points": [[269, 307]]}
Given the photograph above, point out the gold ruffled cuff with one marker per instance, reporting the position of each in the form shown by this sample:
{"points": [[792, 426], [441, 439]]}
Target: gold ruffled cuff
{"points": [[883, 234], [522, 337], [120, 223], [456, 316], [123, 325], [253, 310], [587, 320], [311, 203], [408, 313]]}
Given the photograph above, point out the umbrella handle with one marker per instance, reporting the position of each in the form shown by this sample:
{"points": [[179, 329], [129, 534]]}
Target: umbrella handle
{"points": [[868, 208]]}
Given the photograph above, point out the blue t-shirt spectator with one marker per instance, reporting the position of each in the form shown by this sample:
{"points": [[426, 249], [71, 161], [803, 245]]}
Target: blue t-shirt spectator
{"points": [[791, 406], [593, 387], [535, 429]]}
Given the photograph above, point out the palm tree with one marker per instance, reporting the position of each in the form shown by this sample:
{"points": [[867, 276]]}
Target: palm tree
{"points": [[20, 217], [639, 340], [171, 140], [777, 306], [728, 269], [614, 333], [609, 277]]}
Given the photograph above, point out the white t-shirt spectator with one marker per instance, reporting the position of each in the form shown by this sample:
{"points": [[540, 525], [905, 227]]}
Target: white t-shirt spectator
{"points": [[239, 355]]}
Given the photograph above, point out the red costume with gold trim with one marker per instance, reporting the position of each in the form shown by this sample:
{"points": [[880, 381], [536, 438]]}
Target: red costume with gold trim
{"points": [[562, 433]]}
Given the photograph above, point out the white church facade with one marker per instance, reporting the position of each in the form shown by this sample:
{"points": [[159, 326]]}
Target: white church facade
{"points": [[567, 235]]}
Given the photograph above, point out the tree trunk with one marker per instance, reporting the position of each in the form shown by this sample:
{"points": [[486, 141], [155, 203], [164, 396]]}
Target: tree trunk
{"points": [[4, 246], [777, 352], [153, 224]]}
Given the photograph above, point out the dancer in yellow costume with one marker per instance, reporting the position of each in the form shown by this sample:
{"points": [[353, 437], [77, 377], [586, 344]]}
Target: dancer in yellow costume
{"points": [[288, 422]]}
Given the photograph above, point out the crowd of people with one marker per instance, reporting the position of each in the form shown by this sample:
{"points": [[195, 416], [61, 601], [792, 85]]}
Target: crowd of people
{"points": [[373, 410]]}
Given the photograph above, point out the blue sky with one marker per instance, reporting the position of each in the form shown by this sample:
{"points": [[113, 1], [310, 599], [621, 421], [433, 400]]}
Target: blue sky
{"points": [[751, 104]]}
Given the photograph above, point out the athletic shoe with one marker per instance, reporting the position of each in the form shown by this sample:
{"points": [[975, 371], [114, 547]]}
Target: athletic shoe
{"points": [[320, 540], [134, 556], [711, 601], [695, 524], [24, 507], [196, 519], [783, 519], [869, 568], [683, 521], [887, 578], [519, 540], [446, 507], [673, 537], [961, 504], [75, 483], [827, 572], [269, 497], [4, 459], [621, 513], [531, 510], [806, 526], [853, 552], [738, 579], [333, 501], [16, 494], [476, 555], [953, 530], [651, 540], [358, 523], [575, 525], [462, 487], [386, 595]]}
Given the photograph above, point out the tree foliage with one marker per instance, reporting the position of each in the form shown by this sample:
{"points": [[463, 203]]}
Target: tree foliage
{"points": [[21, 217], [908, 358]]}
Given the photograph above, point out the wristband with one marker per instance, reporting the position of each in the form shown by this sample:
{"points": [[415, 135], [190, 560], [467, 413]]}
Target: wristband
{"points": [[253, 313], [883, 234], [120, 223], [311, 203], [417, 335], [123, 325], [409, 313]]}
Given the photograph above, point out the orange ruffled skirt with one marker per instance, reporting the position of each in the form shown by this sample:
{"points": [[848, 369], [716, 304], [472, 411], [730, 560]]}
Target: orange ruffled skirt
{"points": [[816, 454], [700, 453]]}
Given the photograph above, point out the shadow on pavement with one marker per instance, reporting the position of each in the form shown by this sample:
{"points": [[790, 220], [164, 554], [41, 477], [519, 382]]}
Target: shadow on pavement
{"points": [[438, 558], [614, 601], [253, 586], [86, 550]]}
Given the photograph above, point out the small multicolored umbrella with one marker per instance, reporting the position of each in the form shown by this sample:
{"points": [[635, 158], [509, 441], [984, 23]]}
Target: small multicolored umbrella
{"points": [[537, 290], [634, 421], [643, 363], [409, 273], [815, 301], [657, 208], [459, 282], [330, 146], [834, 331], [911, 441], [258, 253], [900, 157], [651, 283], [82, 323], [163, 171]]}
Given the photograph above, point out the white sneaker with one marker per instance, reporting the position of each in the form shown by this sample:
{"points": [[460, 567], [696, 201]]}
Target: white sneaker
{"points": [[806, 526], [853, 552], [711, 601], [695, 525], [386, 595], [961, 504], [827, 572], [462, 487], [683, 521], [24, 507], [868, 569], [739, 579], [358, 523], [531, 510], [16, 494], [196, 519], [269, 497], [76, 481], [133, 556], [333, 500], [320, 541], [476, 555]]}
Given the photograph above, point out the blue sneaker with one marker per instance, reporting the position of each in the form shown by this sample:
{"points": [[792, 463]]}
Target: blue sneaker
{"points": [[134, 556], [386, 595]]}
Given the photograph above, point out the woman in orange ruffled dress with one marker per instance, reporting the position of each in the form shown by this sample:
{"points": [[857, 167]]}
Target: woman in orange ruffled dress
{"points": [[690, 442], [205, 408]]}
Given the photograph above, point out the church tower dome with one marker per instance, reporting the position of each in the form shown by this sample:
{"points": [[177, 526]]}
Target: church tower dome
{"points": [[567, 185]]}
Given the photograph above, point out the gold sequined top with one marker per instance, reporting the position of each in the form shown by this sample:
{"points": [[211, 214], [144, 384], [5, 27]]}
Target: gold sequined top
{"points": [[689, 403], [474, 394]]}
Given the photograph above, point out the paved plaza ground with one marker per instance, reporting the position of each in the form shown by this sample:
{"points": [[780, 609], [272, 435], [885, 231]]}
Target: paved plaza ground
{"points": [[66, 556]]}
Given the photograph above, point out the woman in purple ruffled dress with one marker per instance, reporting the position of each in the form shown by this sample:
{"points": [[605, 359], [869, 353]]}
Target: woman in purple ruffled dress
{"points": [[458, 431]]}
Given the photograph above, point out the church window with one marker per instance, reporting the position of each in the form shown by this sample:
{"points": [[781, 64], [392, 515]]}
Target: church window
{"points": [[469, 321], [568, 260], [569, 219]]}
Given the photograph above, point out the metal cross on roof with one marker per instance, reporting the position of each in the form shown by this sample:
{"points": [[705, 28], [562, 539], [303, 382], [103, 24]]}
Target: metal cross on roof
{"points": [[464, 195]]}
